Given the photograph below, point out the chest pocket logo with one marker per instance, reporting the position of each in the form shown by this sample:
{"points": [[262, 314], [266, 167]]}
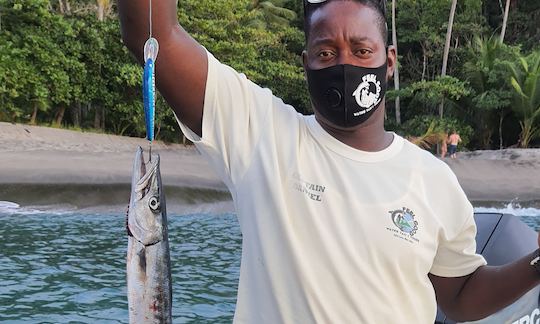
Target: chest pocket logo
{"points": [[404, 220]]}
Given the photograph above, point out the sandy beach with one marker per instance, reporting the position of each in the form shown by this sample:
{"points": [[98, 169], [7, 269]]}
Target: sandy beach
{"points": [[34, 158]]}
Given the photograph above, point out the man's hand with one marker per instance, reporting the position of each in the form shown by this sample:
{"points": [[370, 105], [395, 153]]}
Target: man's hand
{"points": [[486, 290]]}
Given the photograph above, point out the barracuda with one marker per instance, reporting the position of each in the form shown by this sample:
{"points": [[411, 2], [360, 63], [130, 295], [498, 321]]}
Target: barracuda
{"points": [[148, 261]]}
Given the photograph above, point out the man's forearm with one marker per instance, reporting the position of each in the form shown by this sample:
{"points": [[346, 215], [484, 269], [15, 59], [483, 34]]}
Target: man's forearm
{"points": [[491, 288], [134, 22]]}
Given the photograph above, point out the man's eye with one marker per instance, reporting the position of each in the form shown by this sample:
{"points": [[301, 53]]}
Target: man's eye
{"points": [[325, 54], [363, 52]]}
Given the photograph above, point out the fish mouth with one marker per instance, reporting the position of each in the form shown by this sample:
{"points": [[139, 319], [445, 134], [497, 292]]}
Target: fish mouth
{"points": [[140, 167], [145, 219]]}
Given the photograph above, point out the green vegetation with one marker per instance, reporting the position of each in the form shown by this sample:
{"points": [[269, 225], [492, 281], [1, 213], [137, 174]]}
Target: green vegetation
{"points": [[62, 63]]}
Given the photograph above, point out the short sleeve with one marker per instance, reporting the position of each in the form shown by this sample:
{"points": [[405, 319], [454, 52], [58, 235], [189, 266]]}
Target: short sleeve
{"points": [[234, 114], [456, 256], [456, 253]]}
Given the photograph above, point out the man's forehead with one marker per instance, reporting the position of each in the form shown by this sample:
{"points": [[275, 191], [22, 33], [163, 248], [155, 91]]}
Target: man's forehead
{"points": [[343, 12], [359, 22]]}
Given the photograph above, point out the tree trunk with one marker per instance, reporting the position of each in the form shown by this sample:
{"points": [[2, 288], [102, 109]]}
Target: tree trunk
{"points": [[424, 64], [60, 115], [102, 118], [61, 7], [97, 118], [76, 112], [34, 115], [102, 7], [396, 72], [527, 132], [501, 117], [158, 129], [505, 20], [447, 48], [101, 13]]}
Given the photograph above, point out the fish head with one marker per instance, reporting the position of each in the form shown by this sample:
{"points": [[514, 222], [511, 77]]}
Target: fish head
{"points": [[146, 215]]}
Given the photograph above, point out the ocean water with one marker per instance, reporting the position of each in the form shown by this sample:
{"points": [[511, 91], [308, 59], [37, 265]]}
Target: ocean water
{"points": [[59, 265]]}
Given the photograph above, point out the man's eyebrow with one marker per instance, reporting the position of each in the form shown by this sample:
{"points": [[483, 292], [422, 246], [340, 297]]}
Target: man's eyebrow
{"points": [[322, 40], [362, 39], [329, 40]]}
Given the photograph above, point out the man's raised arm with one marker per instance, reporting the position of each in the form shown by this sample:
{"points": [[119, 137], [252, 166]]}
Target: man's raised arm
{"points": [[181, 65]]}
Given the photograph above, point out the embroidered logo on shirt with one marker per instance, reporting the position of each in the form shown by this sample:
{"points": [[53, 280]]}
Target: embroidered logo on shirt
{"points": [[311, 190], [404, 220]]}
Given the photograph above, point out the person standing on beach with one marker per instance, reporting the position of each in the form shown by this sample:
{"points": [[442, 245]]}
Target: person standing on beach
{"points": [[342, 221], [453, 140]]}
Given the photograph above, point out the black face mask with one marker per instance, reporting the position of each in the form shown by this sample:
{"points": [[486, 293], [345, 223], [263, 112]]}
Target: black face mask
{"points": [[347, 95]]}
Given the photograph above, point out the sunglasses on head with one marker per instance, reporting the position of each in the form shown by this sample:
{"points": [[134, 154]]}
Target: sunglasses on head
{"points": [[309, 3]]}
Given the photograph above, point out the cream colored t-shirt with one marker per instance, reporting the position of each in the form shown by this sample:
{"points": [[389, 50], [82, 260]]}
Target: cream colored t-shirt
{"points": [[330, 234]]}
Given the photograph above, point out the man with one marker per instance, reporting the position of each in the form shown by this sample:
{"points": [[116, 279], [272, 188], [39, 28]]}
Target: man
{"points": [[342, 222], [454, 140]]}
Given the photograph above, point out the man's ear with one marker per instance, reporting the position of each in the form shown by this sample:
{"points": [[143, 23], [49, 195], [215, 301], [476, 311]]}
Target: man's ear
{"points": [[391, 61], [304, 63]]}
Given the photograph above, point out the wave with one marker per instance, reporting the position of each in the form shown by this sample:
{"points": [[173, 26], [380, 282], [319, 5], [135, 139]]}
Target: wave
{"points": [[514, 208], [103, 199], [8, 205], [13, 208]]}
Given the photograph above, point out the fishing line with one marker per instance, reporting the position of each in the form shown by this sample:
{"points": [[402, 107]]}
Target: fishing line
{"points": [[150, 18]]}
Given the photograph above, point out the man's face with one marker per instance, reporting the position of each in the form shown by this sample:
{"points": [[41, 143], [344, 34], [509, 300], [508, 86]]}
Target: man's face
{"points": [[346, 32]]}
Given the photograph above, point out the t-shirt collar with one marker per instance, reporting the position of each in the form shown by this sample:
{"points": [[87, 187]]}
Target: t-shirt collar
{"points": [[324, 138]]}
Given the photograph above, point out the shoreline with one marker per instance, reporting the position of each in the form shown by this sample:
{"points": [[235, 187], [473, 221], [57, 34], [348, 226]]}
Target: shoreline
{"points": [[503, 175], [41, 157]]}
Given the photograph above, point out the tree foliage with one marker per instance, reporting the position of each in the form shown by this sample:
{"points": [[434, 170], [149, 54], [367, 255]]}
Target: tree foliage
{"points": [[62, 63], [526, 82]]}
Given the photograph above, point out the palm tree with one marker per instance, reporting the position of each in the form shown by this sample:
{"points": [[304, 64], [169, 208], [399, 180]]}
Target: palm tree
{"points": [[492, 92], [431, 137], [526, 82], [447, 48], [396, 73], [505, 20]]}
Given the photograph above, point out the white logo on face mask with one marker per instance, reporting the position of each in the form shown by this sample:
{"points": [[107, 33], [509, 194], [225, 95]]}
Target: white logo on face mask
{"points": [[365, 98]]}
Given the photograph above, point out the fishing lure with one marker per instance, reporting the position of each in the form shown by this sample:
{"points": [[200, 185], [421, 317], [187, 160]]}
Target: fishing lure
{"points": [[151, 48]]}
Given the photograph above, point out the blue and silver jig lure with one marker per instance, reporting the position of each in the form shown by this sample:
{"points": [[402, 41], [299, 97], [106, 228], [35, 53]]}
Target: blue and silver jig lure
{"points": [[151, 48]]}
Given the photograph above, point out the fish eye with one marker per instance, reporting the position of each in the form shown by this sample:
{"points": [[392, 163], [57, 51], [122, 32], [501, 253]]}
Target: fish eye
{"points": [[154, 204]]}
